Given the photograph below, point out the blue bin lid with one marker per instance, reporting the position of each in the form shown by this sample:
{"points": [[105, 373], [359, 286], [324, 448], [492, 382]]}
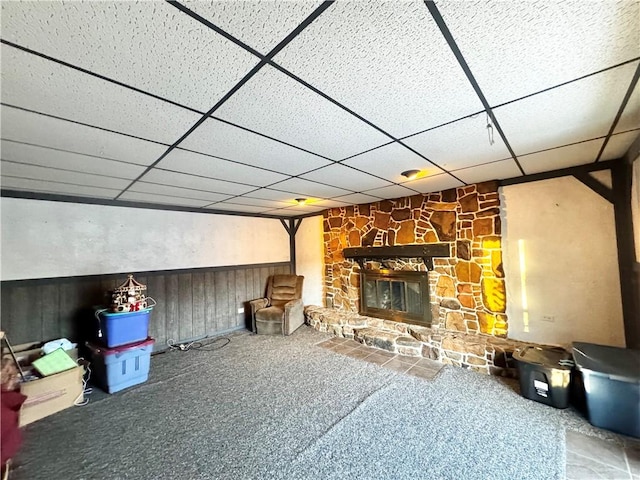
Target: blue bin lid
{"points": [[617, 363]]}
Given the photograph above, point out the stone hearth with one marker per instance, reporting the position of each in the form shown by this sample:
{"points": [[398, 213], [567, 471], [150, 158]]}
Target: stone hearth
{"points": [[482, 353]]}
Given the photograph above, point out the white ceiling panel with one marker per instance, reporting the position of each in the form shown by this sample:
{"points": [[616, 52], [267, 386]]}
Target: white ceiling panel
{"points": [[276, 105], [236, 207], [259, 202], [222, 140], [197, 164], [43, 186], [162, 199], [297, 210], [489, 171], [260, 25], [390, 161], [630, 117], [329, 203], [150, 46], [36, 172], [46, 157], [345, 177], [393, 80], [394, 191], [358, 198], [618, 145], [305, 188], [562, 116], [564, 157], [518, 48], [434, 183], [277, 195], [195, 182], [471, 138], [28, 127], [170, 191], [37, 84]]}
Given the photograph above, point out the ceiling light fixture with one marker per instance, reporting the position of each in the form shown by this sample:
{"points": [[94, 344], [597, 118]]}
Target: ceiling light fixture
{"points": [[301, 201], [410, 174]]}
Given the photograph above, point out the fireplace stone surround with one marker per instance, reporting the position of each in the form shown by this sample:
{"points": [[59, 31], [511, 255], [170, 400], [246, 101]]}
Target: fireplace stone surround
{"points": [[467, 291]]}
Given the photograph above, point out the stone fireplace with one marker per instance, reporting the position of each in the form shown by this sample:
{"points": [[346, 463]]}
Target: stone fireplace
{"points": [[465, 279]]}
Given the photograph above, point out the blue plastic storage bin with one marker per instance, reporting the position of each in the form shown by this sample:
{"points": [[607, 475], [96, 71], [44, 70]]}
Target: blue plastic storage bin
{"points": [[123, 328], [114, 369]]}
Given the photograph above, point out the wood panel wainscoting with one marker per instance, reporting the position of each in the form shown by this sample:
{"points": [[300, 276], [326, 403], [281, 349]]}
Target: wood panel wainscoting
{"points": [[191, 304]]}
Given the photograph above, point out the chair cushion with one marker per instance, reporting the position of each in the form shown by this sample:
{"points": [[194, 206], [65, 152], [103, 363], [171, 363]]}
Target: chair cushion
{"points": [[283, 289], [270, 314]]}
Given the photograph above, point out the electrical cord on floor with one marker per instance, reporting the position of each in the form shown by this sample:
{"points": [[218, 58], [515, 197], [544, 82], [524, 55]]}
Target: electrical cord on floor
{"points": [[198, 345], [81, 399]]}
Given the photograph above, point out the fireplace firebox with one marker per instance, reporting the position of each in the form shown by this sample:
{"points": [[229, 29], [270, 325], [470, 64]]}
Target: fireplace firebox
{"points": [[401, 296]]}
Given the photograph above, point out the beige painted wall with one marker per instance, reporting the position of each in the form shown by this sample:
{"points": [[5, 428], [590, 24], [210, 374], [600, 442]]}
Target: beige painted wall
{"points": [[560, 261], [43, 239], [310, 259]]}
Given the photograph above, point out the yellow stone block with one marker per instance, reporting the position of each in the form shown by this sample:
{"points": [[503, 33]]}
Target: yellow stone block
{"points": [[494, 296]]}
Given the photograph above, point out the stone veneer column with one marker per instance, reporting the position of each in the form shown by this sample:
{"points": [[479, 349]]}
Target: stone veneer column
{"points": [[467, 289]]}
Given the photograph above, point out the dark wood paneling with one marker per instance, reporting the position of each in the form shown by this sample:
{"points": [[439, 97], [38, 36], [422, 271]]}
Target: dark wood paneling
{"points": [[199, 303], [190, 304]]}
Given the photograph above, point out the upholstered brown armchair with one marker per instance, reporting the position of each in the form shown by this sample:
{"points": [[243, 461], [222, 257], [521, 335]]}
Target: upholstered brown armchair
{"points": [[282, 311]]}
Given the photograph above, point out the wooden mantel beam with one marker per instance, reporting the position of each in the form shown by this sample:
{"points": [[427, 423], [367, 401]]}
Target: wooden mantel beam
{"points": [[426, 252]]}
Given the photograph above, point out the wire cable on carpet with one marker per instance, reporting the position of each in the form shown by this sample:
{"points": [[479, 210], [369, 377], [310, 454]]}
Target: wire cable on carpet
{"points": [[81, 399], [198, 345]]}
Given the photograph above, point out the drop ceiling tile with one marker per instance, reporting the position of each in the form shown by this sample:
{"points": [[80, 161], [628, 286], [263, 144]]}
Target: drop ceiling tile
{"points": [[36, 172], [261, 25], [259, 202], [198, 164], [618, 145], [345, 177], [162, 199], [37, 84], [518, 48], [276, 105], [222, 140], [460, 144], [395, 191], [359, 198], [28, 127], [403, 83], [45, 157], [630, 118], [43, 186], [277, 195], [578, 111], [389, 162], [305, 188], [435, 183], [195, 182], [328, 203], [489, 171], [170, 191], [154, 48], [296, 210], [235, 207], [563, 157]]}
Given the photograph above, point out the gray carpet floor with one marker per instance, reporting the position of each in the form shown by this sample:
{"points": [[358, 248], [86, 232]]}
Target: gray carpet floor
{"points": [[270, 407]]}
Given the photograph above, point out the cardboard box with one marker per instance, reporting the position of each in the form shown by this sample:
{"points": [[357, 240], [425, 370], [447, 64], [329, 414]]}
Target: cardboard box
{"points": [[51, 394]]}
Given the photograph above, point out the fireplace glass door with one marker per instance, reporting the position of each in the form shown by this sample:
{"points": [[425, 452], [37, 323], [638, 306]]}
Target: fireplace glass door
{"points": [[401, 296]]}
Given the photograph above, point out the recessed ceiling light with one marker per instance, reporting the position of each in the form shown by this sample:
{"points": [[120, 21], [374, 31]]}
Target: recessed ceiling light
{"points": [[410, 174], [301, 201]]}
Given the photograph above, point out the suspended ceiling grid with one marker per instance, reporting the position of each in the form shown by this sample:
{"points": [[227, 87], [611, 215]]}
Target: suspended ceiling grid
{"points": [[243, 107]]}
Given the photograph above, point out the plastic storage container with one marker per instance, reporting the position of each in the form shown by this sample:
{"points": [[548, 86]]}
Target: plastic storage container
{"points": [[545, 375], [611, 378], [123, 328], [114, 369]]}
